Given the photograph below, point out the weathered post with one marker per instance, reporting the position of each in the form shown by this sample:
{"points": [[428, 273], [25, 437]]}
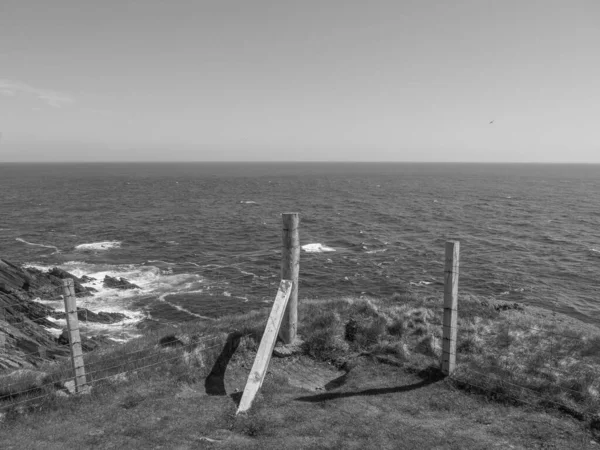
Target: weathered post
{"points": [[265, 349], [450, 307], [290, 267], [74, 337], [2, 335]]}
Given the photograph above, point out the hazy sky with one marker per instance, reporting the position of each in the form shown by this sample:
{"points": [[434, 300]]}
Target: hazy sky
{"points": [[300, 80]]}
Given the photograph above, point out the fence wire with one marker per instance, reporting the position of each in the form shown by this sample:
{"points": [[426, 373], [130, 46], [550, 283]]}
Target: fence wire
{"points": [[12, 398], [543, 381]]}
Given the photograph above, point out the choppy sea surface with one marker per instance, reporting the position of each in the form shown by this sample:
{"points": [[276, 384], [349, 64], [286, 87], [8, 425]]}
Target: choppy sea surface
{"points": [[203, 239]]}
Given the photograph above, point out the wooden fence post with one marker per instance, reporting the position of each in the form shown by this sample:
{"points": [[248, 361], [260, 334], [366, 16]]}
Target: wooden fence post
{"points": [[74, 337], [2, 335], [265, 349], [290, 267], [450, 307]]}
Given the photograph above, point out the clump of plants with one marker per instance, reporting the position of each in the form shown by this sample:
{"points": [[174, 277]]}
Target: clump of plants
{"points": [[393, 327], [515, 355]]}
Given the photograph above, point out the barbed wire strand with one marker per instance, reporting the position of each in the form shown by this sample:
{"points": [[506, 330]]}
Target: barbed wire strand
{"points": [[92, 381]]}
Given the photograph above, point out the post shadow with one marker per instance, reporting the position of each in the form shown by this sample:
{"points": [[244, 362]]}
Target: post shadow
{"points": [[215, 381], [428, 376]]}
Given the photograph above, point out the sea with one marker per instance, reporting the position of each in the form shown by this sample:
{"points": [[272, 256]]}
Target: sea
{"points": [[202, 240]]}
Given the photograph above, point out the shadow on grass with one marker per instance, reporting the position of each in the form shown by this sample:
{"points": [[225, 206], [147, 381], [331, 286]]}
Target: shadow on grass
{"points": [[367, 392], [215, 381], [237, 397], [428, 375]]}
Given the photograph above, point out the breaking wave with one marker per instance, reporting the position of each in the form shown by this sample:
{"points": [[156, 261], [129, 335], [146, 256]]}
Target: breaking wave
{"points": [[96, 246]]}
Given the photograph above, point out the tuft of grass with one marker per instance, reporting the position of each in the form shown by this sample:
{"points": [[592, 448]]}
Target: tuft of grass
{"points": [[396, 328], [323, 337]]}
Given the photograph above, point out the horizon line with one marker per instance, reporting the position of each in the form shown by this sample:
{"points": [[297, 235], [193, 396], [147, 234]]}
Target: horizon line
{"points": [[297, 162]]}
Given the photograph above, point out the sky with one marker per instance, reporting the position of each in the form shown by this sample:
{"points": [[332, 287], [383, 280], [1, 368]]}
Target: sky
{"points": [[289, 80]]}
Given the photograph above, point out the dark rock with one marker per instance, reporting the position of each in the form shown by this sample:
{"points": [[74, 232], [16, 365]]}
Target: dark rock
{"points": [[149, 325], [101, 317], [94, 342], [508, 306], [59, 275], [85, 315], [170, 341], [118, 283], [62, 274], [63, 339], [87, 344], [26, 340], [86, 279], [14, 277]]}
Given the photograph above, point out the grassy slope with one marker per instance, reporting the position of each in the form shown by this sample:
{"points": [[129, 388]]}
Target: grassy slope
{"points": [[387, 396]]}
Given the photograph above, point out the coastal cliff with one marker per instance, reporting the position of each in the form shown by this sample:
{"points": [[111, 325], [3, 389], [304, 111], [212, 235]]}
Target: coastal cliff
{"points": [[25, 336]]}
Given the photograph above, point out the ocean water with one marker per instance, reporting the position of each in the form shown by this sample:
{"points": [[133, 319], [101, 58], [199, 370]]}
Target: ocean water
{"points": [[203, 239]]}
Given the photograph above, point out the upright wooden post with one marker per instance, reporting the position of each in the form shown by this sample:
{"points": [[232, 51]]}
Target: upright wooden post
{"points": [[74, 337], [290, 267], [265, 349], [2, 335], [450, 307]]}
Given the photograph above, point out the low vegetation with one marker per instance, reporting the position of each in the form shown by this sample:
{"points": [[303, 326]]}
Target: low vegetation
{"points": [[514, 366], [506, 351]]}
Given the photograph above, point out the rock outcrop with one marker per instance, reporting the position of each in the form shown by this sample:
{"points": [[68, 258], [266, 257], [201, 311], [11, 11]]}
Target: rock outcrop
{"points": [[85, 315], [118, 283], [80, 290], [25, 339]]}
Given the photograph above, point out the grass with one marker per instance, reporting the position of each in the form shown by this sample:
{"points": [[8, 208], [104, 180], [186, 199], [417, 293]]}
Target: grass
{"points": [[518, 372]]}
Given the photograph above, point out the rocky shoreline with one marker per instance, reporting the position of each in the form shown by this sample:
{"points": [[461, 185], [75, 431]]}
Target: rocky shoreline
{"points": [[25, 339]]}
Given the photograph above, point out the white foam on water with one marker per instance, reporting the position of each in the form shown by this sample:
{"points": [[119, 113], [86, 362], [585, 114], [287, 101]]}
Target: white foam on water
{"points": [[150, 279], [192, 264], [154, 282], [248, 202], [37, 245], [160, 261], [317, 248], [98, 246], [421, 283], [162, 298], [595, 250], [380, 250]]}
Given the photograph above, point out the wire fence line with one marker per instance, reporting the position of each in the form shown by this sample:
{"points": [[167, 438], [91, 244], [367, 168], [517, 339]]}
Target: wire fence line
{"points": [[540, 361], [222, 277], [156, 355], [98, 358], [24, 386]]}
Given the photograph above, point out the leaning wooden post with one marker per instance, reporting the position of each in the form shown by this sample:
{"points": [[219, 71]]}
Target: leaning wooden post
{"points": [[450, 307], [265, 349], [74, 337], [290, 267]]}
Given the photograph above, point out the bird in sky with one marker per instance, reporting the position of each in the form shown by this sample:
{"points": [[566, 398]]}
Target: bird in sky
{"points": [[491, 122]]}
